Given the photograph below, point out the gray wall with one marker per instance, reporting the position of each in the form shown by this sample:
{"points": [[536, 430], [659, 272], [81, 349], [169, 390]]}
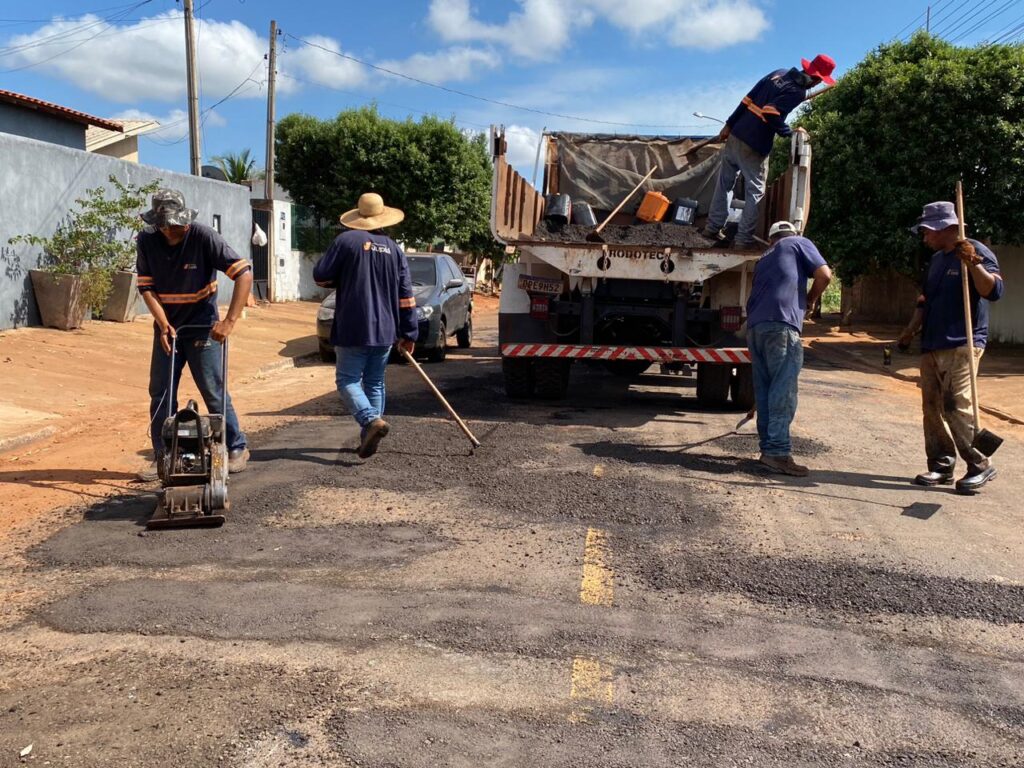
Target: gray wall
{"points": [[39, 185], [42, 126], [1006, 320]]}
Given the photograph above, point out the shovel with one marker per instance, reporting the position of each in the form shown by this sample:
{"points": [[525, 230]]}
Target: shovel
{"points": [[595, 236], [985, 442]]}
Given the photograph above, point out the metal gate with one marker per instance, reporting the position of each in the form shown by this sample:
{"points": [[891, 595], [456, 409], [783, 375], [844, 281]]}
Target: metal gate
{"points": [[260, 257]]}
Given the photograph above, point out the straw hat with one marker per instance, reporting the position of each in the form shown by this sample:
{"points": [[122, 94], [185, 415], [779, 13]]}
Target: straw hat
{"points": [[371, 214]]}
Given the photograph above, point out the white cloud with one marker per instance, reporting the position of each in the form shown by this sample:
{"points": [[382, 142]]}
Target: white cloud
{"points": [[522, 148], [543, 28], [144, 60], [326, 67], [450, 65], [538, 31]]}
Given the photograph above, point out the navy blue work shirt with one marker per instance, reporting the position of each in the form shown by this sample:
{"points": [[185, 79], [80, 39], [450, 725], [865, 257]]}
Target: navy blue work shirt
{"points": [[375, 304], [943, 291], [762, 113], [779, 293], [184, 276]]}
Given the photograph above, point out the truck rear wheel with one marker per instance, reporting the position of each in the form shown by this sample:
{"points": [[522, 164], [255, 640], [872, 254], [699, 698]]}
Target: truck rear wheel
{"points": [[713, 380], [518, 377], [627, 369], [551, 378], [743, 387]]}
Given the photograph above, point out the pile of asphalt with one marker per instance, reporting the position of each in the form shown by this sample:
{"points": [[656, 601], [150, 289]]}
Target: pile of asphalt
{"points": [[656, 234]]}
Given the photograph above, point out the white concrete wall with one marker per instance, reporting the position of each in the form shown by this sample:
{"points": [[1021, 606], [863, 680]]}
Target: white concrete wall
{"points": [[1006, 320], [293, 270], [39, 185]]}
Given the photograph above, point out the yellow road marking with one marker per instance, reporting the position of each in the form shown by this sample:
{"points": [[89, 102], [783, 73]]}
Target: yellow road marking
{"points": [[591, 680], [598, 584]]}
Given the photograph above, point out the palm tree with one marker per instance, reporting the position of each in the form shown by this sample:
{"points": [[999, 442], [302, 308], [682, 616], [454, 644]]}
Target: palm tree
{"points": [[238, 167]]}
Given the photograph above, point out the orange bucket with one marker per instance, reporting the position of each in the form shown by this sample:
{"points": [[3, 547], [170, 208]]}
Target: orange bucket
{"points": [[653, 208]]}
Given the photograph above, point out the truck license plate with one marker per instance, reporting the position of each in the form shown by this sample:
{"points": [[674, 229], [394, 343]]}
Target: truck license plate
{"points": [[546, 285]]}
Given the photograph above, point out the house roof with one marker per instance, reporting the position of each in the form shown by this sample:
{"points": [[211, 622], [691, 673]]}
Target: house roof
{"points": [[57, 110], [97, 138]]}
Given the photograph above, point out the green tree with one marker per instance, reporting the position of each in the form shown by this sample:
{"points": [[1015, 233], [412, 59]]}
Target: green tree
{"points": [[239, 167], [898, 131], [438, 175]]}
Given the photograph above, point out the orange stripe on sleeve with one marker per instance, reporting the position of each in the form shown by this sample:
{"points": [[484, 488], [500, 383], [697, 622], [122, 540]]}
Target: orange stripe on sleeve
{"points": [[409, 303]]}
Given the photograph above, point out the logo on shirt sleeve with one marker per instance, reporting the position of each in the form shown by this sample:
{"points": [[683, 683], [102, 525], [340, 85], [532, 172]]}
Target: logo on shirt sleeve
{"points": [[367, 245], [190, 266]]}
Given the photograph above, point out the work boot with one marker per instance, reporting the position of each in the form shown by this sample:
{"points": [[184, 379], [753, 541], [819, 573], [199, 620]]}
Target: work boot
{"points": [[237, 460], [745, 245], [784, 465], [712, 233], [932, 477], [974, 479], [373, 433]]}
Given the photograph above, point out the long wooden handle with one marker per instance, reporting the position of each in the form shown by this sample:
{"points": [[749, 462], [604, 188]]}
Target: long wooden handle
{"points": [[437, 392], [625, 200], [968, 321]]}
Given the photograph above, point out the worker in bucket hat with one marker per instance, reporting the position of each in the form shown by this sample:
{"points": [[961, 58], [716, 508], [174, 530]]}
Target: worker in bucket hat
{"points": [[945, 366], [178, 260]]}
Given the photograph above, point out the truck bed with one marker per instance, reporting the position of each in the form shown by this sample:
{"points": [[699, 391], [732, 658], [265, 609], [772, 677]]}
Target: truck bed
{"points": [[651, 235]]}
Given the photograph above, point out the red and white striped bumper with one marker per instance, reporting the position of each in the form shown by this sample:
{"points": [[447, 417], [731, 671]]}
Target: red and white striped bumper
{"points": [[651, 354]]}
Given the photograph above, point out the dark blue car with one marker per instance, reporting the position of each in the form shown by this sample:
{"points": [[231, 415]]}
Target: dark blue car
{"points": [[444, 300]]}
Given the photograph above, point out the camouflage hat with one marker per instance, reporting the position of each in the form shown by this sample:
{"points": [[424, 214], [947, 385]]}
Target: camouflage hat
{"points": [[168, 209]]}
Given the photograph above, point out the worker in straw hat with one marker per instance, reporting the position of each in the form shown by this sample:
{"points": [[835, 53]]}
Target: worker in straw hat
{"points": [[374, 310]]}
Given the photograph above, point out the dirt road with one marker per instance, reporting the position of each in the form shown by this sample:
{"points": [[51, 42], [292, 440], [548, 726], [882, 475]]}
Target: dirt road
{"points": [[608, 581]]}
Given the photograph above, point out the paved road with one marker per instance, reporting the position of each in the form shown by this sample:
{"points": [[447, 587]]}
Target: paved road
{"points": [[608, 581]]}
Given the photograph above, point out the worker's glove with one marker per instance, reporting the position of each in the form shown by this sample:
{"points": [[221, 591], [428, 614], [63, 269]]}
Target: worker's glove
{"points": [[967, 253]]}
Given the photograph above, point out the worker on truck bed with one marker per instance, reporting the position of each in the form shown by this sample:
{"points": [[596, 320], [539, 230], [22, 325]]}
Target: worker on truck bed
{"points": [[177, 264], [749, 134], [945, 365], [375, 309], [778, 302]]}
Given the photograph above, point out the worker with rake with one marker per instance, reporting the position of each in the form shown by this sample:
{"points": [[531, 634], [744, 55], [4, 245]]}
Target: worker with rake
{"points": [[946, 368], [375, 309]]}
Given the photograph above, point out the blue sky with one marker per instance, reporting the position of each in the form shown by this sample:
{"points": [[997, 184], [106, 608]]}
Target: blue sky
{"points": [[643, 62]]}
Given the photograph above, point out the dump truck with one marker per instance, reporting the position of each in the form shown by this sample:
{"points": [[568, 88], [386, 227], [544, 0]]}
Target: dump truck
{"points": [[640, 293]]}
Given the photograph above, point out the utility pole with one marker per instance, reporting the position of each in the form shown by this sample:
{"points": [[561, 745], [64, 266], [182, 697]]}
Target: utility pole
{"points": [[928, 21], [271, 77], [193, 92]]}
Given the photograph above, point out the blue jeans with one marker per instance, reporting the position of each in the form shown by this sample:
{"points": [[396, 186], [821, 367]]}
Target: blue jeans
{"points": [[203, 356], [360, 378], [737, 157], [777, 356]]}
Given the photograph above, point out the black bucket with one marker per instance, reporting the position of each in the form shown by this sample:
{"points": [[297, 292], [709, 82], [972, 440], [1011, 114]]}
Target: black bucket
{"points": [[583, 214], [683, 212], [557, 209]]}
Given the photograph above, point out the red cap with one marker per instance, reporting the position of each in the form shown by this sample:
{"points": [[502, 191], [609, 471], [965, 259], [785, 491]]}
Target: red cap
{"points": [[822, 67]]}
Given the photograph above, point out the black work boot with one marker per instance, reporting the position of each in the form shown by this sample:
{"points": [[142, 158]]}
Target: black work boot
{"points": [[940, 472], [974, 479]]}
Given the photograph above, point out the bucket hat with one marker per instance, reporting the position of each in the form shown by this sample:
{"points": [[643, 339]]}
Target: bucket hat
{"points": [[821, 66], [371, 213], [167, 208], [936, 216]]}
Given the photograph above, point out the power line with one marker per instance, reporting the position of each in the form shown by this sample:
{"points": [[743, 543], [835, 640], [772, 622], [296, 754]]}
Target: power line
{"points": [[375, 101], [947, 9], [73, 47], [1006, 32], [483, 98], [957, 14], [978, 25], [910, 25]]}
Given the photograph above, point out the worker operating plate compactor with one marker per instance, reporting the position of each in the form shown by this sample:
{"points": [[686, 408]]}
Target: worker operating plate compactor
{"points": [[194, 465]]}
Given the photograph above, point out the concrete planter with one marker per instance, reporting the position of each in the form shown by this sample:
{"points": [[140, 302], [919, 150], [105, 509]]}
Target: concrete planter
{"points": [[124, 298], [59, 298]]}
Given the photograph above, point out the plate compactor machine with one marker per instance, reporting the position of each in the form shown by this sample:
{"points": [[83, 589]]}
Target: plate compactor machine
{"points": [[194, 465]]}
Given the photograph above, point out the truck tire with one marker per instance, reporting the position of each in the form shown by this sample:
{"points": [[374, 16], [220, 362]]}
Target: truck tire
{"points": [[551, 378], [743, 387], [440, 352], [465, 336], [518, 375], [713, 380]]}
